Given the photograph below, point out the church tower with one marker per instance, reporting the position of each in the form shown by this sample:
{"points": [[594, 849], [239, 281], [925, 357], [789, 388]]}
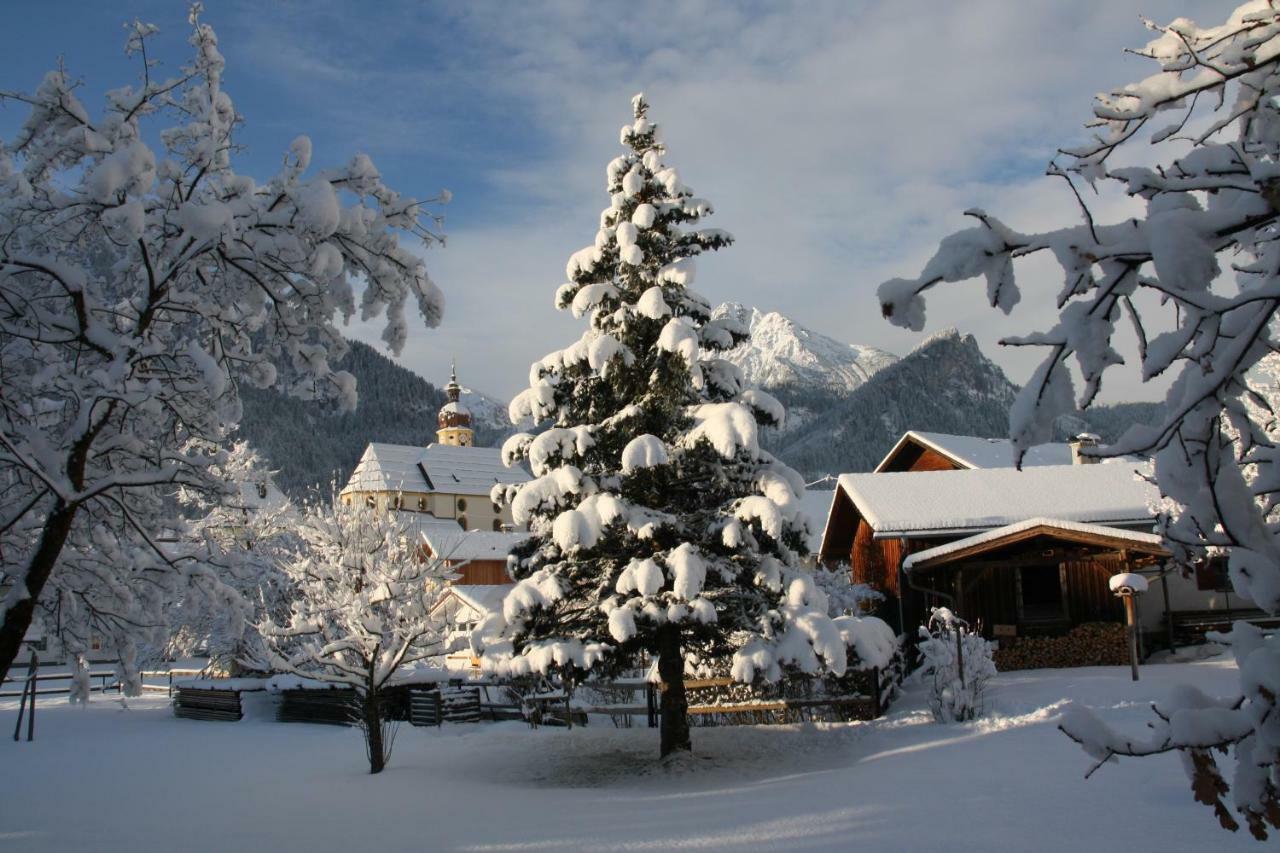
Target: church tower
{"points": [[454, 420]]}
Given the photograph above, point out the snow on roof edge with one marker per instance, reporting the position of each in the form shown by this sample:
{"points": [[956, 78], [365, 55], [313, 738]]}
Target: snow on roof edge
{"points": [[1030, 523]]}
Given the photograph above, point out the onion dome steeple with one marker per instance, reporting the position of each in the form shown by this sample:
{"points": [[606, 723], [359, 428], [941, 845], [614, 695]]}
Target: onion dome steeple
{"points": [[454, 421]]}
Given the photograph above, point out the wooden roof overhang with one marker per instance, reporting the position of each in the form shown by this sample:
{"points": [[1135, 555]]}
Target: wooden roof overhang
{"points": [[1028, 545]]}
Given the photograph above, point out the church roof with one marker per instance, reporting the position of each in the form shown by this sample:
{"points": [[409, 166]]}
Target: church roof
{"points": [[441, 468]]}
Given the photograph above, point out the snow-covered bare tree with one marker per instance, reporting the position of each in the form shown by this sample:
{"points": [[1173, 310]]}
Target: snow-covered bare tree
{"points": [[138, 286], [1207, 248], [659, 524], [245, 532], [360, 605]]}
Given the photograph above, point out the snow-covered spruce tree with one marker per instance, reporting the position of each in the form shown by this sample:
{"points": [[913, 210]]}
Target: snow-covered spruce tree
{"points": [[1207, 247], [359, 611], [659, 524], [138, 286], [245, 533]]}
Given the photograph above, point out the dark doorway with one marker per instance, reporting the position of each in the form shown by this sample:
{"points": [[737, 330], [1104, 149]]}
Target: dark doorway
{"points": [[1040, 593]]}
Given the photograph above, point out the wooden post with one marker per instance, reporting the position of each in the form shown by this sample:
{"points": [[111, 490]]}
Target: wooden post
{"points": [[22, 707], [960, 654], [1130, 615], [31, 717], [1168, 611]]}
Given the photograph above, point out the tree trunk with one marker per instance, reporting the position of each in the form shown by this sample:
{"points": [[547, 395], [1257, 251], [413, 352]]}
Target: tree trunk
{"points": [[373, 730], [675, 706], [17, 619]]}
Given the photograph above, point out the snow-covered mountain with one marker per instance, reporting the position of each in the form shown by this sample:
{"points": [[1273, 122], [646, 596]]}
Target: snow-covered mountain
{"points": [[489, 413], [782, 353]]}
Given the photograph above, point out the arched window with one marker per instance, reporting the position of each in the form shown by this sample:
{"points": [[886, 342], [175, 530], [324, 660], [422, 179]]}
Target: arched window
{"points": [[422, 504], [497, 524], [370, 501], [462, 504], [462, 521]]}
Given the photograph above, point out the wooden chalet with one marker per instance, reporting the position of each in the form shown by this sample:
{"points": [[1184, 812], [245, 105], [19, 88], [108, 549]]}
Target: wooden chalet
{"points": [[947, 520], [480, 556]]}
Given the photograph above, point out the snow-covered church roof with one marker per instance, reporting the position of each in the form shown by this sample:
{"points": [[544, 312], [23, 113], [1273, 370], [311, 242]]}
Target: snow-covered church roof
{"points": [[970, 451], [436, 468], [924, 503]]}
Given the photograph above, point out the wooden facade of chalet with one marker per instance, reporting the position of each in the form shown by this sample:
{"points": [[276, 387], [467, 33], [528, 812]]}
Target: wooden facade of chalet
{"points": [[1021, 553], [479, 557]]}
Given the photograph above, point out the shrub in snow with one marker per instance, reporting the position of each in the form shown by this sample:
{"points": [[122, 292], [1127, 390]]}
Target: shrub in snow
{"points": [[844, 597], [138, 286], [957, 664], [1206, 249], [659, 524], [360, 599]]}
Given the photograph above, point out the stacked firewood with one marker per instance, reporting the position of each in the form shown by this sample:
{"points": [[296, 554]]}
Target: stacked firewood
{"points": [[1090, 644]]}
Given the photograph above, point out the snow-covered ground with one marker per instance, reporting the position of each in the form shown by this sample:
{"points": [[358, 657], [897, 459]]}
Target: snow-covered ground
{"points": [[104, 778]]}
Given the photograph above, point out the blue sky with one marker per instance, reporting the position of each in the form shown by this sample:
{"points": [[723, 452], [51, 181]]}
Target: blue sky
{"points": [[839, 141]]}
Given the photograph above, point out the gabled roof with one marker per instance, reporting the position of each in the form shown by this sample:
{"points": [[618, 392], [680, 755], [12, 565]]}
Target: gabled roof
{"points": [[387, 468], [482, 598], [472, 544], [932, 503], [1070, 531], [969, 451], [435, 468], [426, 525]]}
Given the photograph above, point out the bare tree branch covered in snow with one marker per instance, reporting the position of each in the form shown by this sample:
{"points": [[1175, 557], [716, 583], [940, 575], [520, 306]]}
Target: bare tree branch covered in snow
{"points": [[1207, 248], [137, 288], [360, 611]]}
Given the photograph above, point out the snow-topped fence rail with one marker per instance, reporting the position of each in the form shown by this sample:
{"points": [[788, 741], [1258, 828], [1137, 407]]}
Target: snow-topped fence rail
{"points": [[106, 678]]}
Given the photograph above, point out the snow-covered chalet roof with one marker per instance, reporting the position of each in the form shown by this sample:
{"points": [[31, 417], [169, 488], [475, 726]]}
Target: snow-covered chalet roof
{"points": [[924, 503], [473, 544], [427, 525], [816, 504], [482, 598], [435, 468], [1148, 541], [970, 451]]}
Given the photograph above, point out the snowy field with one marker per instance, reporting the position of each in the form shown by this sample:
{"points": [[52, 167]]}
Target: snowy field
{"points": [[104, 778]]}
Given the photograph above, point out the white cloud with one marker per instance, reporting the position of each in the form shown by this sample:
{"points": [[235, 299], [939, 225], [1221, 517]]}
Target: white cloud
{"points": [[838, 141]]}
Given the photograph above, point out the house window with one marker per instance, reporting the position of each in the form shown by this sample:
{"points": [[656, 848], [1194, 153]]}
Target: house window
{"points": [[370, 501], [497, 524], [399, 502], [462, 504], [1212, 575], [1040, 595], [422, 504], [462, 522]]}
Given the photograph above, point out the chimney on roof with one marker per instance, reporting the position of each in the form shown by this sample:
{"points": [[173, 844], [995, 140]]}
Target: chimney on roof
{"points": [[1079, 443]]}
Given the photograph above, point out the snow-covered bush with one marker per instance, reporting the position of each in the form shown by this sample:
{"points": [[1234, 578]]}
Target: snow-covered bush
{"points": [[659, 524], [360, 600], [956, 663], [844, 597], [1205, 249], [139, 286]]}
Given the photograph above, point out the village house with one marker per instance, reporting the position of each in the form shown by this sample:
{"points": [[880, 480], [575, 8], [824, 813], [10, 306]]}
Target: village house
{"points": [[947, 520]]}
